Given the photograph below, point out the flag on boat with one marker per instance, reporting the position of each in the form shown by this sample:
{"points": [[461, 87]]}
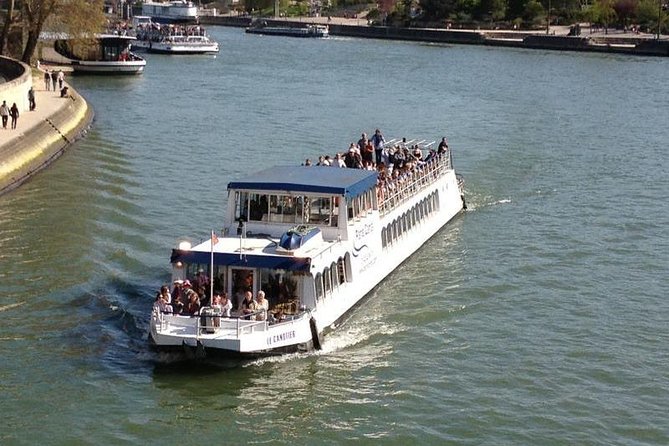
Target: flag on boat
{"points": [[214, 238]]}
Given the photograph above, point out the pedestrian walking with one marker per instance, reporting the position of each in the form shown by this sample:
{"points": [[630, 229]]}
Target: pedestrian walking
{"points": [[47, 80], [61, 78], [54, 77], [4, 113], [31, 98], [14, 113]]}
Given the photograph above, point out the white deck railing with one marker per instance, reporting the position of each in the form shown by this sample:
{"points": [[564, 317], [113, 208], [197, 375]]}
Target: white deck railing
{"points": [[392, 193]]}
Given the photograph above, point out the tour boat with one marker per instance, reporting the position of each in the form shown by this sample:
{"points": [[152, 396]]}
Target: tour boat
{"points": [[176, 11], [315, 240], [106, 54], [291, 31], [174, 39]]}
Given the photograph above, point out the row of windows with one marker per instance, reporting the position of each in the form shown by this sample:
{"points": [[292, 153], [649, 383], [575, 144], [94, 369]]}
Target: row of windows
{"points": [[362, 204], [409, 219], [333, 276], [286, 208]]}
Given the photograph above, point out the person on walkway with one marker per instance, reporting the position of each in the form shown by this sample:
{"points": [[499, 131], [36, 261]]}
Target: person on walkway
{"points": [[61, 78], [4, 112], [31, 98], [14, 113], [54, 77], [47, 80]]}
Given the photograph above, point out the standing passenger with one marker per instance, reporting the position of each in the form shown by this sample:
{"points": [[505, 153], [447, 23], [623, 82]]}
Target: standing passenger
{"points": [[378, 141], [47, 80]]}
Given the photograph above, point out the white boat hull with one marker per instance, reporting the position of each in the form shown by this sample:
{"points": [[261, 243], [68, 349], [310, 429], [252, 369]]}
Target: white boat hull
{"points": [[99, 67]]}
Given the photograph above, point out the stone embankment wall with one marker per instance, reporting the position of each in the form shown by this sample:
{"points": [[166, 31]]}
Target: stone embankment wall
{"points": [[18, 82], [510, 39], [46, 139]]}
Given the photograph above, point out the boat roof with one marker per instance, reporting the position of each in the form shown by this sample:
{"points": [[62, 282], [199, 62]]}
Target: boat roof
{"points": [[315, 179]]}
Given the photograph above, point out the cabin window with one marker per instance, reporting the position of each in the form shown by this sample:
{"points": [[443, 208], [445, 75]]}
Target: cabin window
{"points": [[258, 207], [429, 205], [319, 210], [318, 282], [286, 209], [334, 272], [436, 200], [327, 281], [220, 278], [350, 209], [384, 242], [280, 286], [347, 266], [241, 206], [341, 270]]}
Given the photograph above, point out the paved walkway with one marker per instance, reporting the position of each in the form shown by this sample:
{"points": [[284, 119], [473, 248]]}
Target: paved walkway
{"points": [[47, 103]]}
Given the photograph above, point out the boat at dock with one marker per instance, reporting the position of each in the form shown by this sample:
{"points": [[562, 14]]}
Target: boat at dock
{"points": [[315, 240], [105, 54], [174, 39], [310, 30]]}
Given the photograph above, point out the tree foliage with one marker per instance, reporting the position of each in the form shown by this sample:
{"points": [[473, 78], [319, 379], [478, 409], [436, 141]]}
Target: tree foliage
{"points": [[81, 19]]}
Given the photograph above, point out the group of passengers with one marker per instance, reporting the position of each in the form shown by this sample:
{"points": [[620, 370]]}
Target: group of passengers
{"points": [[185, 300], [394, 161], [376, 154], [153, 31]]}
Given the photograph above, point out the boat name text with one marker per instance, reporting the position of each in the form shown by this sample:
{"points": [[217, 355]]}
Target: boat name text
{"points": [[280, 337]]}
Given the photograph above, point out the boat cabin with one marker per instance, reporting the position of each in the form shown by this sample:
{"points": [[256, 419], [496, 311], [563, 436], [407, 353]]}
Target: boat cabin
{"points": [[285, 233]]}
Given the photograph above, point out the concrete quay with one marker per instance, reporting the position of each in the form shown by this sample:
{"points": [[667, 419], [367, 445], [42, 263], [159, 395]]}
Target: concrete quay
{"points": [[600, 42], [41, 135]]}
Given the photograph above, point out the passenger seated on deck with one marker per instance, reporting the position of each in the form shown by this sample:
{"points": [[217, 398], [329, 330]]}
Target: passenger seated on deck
{"points": [[63, 92], [226, 304], [262, 305], [278, 316], [177, 293], [248, 306], [193, 306], [161, 303]]}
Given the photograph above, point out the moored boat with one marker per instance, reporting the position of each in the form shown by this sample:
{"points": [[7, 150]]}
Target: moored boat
{"points": [[174, 39], [314, 241], [106, 54], [310, 30]]}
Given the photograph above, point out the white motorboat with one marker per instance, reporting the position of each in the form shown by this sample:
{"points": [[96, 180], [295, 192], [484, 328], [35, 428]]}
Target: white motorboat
{"points": [[108, 54]]}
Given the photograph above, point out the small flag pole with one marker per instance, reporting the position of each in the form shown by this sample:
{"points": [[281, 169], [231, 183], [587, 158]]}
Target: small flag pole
{"points": [[214, 241]]}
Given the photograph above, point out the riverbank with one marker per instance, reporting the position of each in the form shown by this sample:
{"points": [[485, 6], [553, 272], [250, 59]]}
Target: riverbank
{"points": [[41, 135], [557, 39]]}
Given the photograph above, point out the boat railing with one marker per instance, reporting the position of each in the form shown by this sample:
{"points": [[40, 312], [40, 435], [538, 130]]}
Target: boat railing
{"points": [[209, 322], [392, 193]]}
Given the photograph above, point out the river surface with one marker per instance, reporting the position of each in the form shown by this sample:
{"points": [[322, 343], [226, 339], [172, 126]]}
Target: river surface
{"points": [[537, 317]]}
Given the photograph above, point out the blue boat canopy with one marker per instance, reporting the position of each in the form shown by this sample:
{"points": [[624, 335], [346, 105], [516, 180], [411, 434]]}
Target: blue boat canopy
{"points": [[315, 179], [288, 263]]}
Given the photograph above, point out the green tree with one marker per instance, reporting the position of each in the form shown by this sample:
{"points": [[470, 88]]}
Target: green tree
{"points": [[81, 19], [604, 13], [9, 19], [534, 13], [647, 14]]}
